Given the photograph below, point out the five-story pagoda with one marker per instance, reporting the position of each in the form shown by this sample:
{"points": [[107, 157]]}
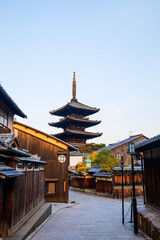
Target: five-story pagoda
{"points": [[74, 121]]}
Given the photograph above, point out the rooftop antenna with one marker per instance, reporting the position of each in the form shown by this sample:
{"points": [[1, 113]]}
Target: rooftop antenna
{"points": [[74, 87], [131, 133]]}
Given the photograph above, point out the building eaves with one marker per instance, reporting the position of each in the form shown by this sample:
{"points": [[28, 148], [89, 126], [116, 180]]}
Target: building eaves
{"points": [[94, 170], [71, 148], [32, 160], [14, 152], [77, 132], [74, 105], [136, 168], [103, 174], [74, 120], [8, 172], [10, 103], [76, 153], [147, 143]]}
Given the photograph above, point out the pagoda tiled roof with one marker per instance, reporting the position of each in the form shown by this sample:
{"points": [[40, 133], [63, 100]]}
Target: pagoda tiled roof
{"points": [[63, 123], [74, 107], [79, 134]]}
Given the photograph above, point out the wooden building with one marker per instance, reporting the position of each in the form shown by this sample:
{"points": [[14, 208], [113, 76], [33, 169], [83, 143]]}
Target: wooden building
{"points": [[84, 181], [74, 121], [21, 174], [127, 181], [52, 150], [108, 184], [121, 148], [21, 184], [8, 108], [149, 216], [151, 154], [104, 183]]}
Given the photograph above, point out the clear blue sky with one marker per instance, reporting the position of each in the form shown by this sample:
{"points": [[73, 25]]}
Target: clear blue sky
{"points": [[113, 46]]}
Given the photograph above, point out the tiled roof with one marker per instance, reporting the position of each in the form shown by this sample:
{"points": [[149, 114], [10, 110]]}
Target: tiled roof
{"points": [[74, 105], [147, 142], [103, 174], [7, 149], [67, 120], [114, 145], [139, 168], [76, 153], [77, 132], [10, 103], [94, 170], [31, 159], [7, 171]]}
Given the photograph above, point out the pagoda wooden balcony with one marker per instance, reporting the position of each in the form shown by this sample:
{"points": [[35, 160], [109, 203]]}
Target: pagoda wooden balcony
{"points": [[4, 129]]}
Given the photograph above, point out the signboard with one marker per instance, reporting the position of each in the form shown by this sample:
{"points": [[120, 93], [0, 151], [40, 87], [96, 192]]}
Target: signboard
{"points": [[61, 158]]}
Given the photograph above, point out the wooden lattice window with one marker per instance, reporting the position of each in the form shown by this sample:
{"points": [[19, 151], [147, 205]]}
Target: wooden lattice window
{"points": [[51, 187], [3, 117]]}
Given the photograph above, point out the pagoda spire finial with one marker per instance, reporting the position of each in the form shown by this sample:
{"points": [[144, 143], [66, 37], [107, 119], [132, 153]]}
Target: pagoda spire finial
{"points": [[74, 87]]}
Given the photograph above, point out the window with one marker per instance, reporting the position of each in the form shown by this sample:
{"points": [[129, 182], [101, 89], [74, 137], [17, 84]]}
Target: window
{"points": [[36, 166], [30, 167], [41, 167], [51, 187], [3, 117], [119, 156], [21, 166]]}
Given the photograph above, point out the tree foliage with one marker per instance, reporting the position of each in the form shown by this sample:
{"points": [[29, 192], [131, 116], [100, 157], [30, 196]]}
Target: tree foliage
{"points": [[91, 147], [105, 160], [93, 156], [81, 167]]}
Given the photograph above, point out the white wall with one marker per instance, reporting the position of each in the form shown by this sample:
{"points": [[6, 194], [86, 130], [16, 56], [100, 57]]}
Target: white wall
{"points": [[74, 160]]}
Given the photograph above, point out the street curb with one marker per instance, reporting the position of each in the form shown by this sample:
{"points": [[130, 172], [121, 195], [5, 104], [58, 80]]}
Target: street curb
{"points": [[54, 213]]}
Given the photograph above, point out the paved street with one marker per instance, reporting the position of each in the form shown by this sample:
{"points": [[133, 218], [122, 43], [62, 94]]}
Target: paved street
{"points": [[93, 218]]}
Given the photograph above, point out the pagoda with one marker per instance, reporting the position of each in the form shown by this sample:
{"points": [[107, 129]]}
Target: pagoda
{"points": [[75, 121]]}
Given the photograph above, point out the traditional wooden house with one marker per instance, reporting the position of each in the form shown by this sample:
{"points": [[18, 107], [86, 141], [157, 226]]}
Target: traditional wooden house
{"points": [[75, 121], [121, 148], [104, 183], [148, 217], [109, 184], [127, 181], [84, 181], [8, 108], [52, 150], [21, 174], [21, 185]]}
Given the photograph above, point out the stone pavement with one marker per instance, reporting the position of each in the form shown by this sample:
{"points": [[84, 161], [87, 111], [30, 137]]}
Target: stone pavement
{"points": [[91, 218]]}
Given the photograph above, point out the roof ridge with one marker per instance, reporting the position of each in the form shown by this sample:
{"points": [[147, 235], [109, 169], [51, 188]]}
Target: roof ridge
{"points": [[114, 145]]}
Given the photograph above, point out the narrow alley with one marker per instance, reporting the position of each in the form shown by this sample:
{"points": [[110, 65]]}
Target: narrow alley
{"points": [[91, 218]]}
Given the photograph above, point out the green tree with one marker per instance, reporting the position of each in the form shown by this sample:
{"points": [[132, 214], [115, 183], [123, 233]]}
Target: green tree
{"points": [[105, 160], [81, 167]]}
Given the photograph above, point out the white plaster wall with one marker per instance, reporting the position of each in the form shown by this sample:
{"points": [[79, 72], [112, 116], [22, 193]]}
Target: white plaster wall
{"points": [[74, 160], [10, 122]]}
